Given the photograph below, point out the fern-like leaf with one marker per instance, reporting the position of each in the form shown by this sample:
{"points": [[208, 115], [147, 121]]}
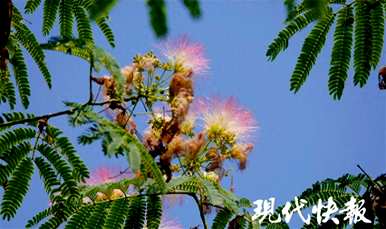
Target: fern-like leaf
{"points": [[47, 173], [31, 6], [280, 43], [117, 214], [106, 30], [80, 218], [62, 168], [137, 212], [7, 90], [154, 212], [157, 13], [83, 23], [66, 18], [50, 11], [341, 52], [194, 7], [362, 49], [15, 136], [12, 157], [25, 36], [16, 189], [222, 218], [64, 146], [38, 218], [21, 74], [310, 50], [98, 216], [377, 25]]}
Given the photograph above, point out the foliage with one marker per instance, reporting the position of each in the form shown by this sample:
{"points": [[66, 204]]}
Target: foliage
{"points": [[12, 55], [44, 146], [359, 29], [187, 148]]}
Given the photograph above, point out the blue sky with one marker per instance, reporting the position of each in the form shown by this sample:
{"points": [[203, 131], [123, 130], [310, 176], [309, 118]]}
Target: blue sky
{"points": [[302, 138]]}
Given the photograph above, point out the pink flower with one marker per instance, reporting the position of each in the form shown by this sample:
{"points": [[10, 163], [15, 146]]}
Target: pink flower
{"points": [[169, 224], [225, 118], [106, 175], [185, 54]]}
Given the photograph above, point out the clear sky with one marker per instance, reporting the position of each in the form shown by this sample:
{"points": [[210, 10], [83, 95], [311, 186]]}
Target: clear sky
{"points": [[302, 138]]}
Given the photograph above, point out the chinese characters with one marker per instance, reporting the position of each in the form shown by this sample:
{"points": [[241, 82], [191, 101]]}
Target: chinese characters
{"points": [[324, 211]]}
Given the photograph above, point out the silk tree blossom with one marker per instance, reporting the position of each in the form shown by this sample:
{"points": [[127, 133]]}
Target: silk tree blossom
{"points": [[225, 119], [185, 55], [106, 175], [170, 224]]}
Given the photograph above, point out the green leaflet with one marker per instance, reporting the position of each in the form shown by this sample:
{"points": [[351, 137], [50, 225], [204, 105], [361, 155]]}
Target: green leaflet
{"points": [[117, 214], [26, 37], [341, 52], [20, 73], [50, 11], [11, 138], [98, 216], [154, 212], [280, 43], [84, 26], [157, 13], [47, 173], [13, 157], [62, 168], [194, 7], [310, 50], [38, 218], [362, 49], [64, 146], [137, 213], [79, 220], [222, 218], [66, 18], [367, 22], [16, 189], [377, 25], [31, 6], [7, 90], [106, 30]]}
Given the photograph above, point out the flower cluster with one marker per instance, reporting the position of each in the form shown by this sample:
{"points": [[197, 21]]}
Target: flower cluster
{"points": [[186, 135]]}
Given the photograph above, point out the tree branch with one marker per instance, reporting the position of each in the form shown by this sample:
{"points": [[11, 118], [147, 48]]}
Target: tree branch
{"points": [[51, 115]]}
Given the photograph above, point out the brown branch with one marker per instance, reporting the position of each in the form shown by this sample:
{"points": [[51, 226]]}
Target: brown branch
{"points": [[65, 112], [22, 121], [369, 177], [199, 205], [51, 115], [90, 99]]}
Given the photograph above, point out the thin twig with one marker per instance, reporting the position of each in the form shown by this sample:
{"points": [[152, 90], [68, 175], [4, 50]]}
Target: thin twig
{"points": [[90, 99], [51, 115], [35, 145], [120, 173], [368, 176], [199, 205]]}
